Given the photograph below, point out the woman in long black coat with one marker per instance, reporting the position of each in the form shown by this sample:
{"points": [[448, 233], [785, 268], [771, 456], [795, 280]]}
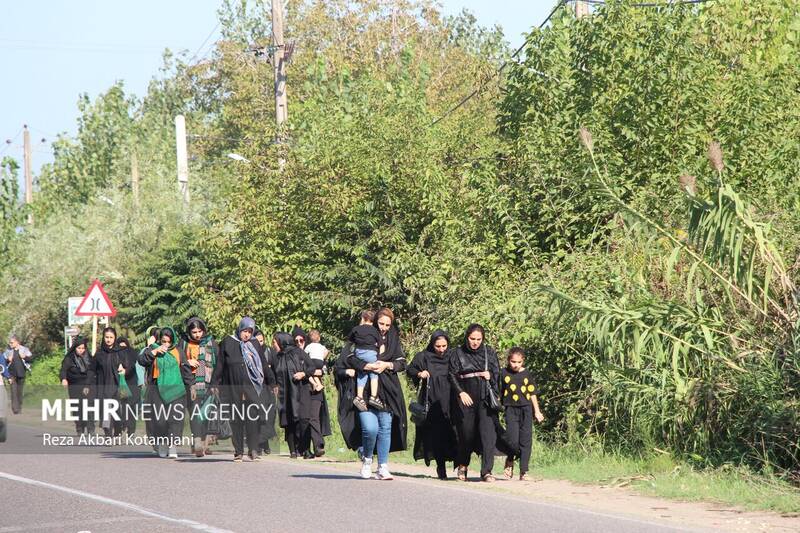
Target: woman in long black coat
{"points": [[474, 369], [78, 376], [435, 438], [112, 360], [292, 368], [245, 379]]}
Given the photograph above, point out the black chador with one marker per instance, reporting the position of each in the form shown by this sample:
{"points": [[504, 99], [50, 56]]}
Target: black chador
{"points": [[79, 371], [294, 396], [108, 359], [349, 423], [389, 390], [435, 438]]}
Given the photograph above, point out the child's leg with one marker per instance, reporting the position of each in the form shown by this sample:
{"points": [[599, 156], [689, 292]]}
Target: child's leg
{"points": [[367, 356], [525, 438], [361, 381], [513, 431], [373, 384]]}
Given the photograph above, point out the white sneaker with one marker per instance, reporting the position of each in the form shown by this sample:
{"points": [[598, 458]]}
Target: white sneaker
{"points": [[383, 472], [366, 469], [162, 451], [173, 452]]}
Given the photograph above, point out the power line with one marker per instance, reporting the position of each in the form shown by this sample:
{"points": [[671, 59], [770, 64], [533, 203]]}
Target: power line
{"points": [[216, 27], [10, 142], [499, 70]]}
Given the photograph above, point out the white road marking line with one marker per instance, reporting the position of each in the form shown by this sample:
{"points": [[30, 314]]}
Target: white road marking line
{"points": [[77, 523], [125, 505]]}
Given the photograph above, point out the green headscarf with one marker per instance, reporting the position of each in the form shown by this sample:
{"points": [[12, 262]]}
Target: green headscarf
{"points": [[170, 382]]}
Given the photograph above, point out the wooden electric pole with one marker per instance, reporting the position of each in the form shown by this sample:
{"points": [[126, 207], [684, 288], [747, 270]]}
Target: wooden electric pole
{"points": [[279, 65], [183, 158], [26, 160], [135, 179], [581, 9]]}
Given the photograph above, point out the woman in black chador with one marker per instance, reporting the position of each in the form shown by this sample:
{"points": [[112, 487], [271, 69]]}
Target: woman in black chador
{"points": [[78, 376], [474, 370], [112, 360], [292, 368], [245, 378], [430, 371], [130, 409]]}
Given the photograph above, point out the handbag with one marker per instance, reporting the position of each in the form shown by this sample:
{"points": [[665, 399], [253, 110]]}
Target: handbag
{"points": [[122, 387], [491, 395], [419, 410]]}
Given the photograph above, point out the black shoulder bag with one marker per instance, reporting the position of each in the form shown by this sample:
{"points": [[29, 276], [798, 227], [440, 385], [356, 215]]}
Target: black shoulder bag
{"points": [[419, 410]]}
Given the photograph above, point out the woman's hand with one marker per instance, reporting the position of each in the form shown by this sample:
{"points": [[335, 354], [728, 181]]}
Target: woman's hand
{"points": [[194, 363], [297, 376], [86, 391], [424, 374], [120, 369], [151, 340], [350, 372], [465, 399], [64, 382], [318, 372], [539, 416], [193, 393], [486, 375], [380, 366]]}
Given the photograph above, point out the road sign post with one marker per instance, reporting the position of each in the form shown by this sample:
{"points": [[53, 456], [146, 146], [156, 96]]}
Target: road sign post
{"points": [[94, 304]]}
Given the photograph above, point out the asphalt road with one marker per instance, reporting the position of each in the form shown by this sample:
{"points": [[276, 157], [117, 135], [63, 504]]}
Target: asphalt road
{"points": [[118, 489]]}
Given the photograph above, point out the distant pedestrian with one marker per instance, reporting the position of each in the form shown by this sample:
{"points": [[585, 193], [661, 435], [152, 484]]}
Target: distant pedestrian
{"points": [[17, 359], [244, 378], [168, 376], [202, 352], [78, 377]]}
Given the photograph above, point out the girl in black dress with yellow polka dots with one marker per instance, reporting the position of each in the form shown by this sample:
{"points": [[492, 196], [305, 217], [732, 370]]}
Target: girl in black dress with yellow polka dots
{"points": [[518, 393]]}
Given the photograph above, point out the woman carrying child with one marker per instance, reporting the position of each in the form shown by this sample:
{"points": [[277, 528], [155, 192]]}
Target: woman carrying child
{"points": [[383, 431]]}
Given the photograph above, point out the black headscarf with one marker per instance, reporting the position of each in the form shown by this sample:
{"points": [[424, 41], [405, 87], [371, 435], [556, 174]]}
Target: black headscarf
{"points": [[80, 362], [297, 330]]}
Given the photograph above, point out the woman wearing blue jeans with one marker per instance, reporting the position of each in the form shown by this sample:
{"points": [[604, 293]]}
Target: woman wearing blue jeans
{"points": [[383, 431]]}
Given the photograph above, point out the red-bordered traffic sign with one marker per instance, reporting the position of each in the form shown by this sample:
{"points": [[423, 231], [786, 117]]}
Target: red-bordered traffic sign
{"points": [[96, 302]]}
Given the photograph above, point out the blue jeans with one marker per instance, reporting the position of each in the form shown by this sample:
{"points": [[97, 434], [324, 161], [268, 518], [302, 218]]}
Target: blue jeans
{"points": [[376, 428], [368, 356]]}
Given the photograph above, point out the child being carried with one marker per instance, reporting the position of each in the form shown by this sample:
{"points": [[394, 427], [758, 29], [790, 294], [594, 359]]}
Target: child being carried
{"points": [[368, 344], [317, 352]]}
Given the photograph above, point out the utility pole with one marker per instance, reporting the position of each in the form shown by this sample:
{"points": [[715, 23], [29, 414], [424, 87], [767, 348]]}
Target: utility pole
{"points": [[581, 9], [135, 178], [183, 158], [279, 64], [26, 159]]}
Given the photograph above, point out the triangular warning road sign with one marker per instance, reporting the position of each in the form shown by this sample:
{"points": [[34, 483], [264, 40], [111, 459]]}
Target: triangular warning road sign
{"points": [[96, 302]]}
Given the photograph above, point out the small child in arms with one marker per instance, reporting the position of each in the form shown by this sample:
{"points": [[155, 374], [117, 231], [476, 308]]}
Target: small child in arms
{"points": [[368, 343]]}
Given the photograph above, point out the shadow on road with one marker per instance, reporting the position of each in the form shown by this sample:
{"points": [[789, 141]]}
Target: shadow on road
{"points": [[325, 476]]}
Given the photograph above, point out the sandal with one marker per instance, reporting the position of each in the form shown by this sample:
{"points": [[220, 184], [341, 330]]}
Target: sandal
{"points": [[525, 477], [237, 458], [489, 478], [377, 404], [360, 404], [462, 473], [508, 471]]}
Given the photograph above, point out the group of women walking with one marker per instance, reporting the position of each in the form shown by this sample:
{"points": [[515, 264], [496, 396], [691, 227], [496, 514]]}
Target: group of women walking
{"points": [[260, 380]]}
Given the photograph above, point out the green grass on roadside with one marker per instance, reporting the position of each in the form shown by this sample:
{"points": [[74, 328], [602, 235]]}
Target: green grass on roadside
{"points": [[660, 475]]}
